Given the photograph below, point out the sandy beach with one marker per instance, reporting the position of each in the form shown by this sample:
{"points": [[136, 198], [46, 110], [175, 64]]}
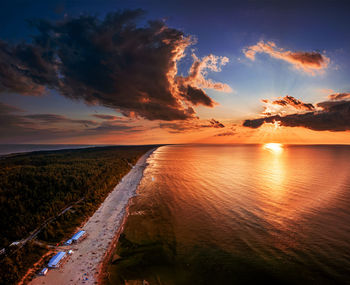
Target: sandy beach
{"points": [[82, 267]]}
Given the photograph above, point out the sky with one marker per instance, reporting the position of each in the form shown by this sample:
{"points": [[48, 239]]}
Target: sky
{"points": [[153, 72]]}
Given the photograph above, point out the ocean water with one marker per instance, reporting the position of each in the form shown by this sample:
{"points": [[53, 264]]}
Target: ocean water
{"points": [[243, 214]]}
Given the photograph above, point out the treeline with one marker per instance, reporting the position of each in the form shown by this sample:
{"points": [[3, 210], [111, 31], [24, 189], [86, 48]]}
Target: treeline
{"points": [[17, 261], [37, 186]]}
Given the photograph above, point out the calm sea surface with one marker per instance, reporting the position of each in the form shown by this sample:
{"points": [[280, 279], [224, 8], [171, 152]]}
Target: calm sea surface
{"points": [[240, 215]]}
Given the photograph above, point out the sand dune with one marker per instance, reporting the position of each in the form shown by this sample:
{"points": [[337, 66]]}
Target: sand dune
{"points": [[83, 265]]}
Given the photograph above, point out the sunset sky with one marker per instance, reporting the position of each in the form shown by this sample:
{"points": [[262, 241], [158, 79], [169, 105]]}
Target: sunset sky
{"points": [[144, 72]]}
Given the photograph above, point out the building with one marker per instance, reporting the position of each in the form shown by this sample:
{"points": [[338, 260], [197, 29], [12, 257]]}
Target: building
{"points": [[44, 271], [68, 242], [78, 235], [56, 260]]}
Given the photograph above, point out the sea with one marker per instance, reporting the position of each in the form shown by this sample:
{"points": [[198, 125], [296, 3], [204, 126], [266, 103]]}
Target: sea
{"points": [[239, 214]]}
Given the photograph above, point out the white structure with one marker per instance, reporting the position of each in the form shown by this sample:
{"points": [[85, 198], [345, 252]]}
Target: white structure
{"points": [[55, 261], [44, 271]]}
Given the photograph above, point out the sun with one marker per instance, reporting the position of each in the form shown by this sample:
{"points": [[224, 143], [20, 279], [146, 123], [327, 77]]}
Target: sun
{"points": [[274, 147]]}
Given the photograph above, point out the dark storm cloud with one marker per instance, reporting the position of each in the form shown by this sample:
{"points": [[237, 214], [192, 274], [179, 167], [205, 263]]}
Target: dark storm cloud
{"points": [[291, 101], [112, 62], [333, 116], [197, 96]]}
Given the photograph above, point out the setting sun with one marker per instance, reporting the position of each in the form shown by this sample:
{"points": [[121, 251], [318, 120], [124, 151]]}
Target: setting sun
{"points": [[274, 147]]}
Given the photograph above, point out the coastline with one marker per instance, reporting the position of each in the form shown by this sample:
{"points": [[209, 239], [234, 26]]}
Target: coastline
{"points": [[91, 255], [102, 273]]}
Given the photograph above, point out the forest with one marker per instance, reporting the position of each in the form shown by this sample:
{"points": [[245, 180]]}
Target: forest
{"points": [[54, 192]]}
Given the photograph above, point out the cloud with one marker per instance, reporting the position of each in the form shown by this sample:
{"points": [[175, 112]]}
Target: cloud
{"points": [[295, 103], [7, 109], [330, 116], [57, 119], [226, 134], [190, 125], [339, 96], [112, 126], [22, 69], [114, 62], [215, 124], [106, 117], [309, 62], [199, 70], [16, 126], [196, 96]]}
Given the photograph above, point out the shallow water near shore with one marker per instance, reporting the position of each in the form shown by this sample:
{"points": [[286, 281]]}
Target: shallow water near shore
{"points": [[239, 215]]}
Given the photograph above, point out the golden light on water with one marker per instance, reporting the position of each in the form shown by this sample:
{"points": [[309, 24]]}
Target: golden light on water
{"points": [[274, 147]]}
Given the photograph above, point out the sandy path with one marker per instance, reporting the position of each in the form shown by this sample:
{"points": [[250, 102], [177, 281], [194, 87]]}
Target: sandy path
{"points": [[83, 264]]}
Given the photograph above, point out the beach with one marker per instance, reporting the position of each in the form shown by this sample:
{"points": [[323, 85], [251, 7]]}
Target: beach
{"points": [[83, 266]]}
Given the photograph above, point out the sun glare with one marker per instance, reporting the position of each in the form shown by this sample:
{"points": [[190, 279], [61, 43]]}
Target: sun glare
{"points": [[277, 124], [274, 147]]}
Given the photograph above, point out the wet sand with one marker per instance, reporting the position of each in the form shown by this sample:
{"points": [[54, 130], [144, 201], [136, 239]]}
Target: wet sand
{"points": [[82, 267]]}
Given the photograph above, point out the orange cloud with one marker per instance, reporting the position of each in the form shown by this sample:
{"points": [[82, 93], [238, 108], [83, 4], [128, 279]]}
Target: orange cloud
{"points": [[190, 125], [339, 96], [199, 70], [309, 62]]}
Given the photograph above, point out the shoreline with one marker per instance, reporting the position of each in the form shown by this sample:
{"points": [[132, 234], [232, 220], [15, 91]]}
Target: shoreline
{"points": [[102, 273], [91, 255]]}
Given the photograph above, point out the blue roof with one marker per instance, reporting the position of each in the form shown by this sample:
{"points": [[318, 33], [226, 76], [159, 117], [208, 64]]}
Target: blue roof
{"points": [[68, 242], [56, 259], [78, 235]]}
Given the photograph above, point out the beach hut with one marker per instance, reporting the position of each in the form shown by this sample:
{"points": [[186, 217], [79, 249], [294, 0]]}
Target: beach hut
{"points": [[78, 235], [44, 271], [68, 242], [55, 261]]}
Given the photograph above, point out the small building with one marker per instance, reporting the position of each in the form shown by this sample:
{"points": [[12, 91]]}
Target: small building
{"points": [[15, 243], [68, 242], [70, 252], [78, 235], [44, 271], [56, 260]]}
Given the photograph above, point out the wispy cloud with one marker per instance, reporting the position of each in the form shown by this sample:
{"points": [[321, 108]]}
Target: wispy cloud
{"points": [[190, 125], [18, 126], [309, 62]]}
